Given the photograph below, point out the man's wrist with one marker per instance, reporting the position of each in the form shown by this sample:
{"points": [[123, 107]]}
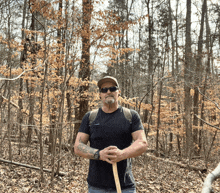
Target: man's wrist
{"points": [[124, 154], [97, 155]]}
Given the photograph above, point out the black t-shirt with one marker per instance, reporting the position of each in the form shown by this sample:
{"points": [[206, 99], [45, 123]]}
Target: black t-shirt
{"points": [[110, 129]]}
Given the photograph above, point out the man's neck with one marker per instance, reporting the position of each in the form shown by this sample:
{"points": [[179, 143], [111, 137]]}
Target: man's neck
{"points": [[110, 108]]}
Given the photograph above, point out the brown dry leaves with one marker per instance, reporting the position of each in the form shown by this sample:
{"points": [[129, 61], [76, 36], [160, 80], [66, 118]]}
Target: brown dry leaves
{"points": [[152, 176]]}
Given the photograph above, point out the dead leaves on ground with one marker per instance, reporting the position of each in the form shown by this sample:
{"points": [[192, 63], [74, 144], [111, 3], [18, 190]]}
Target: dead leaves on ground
{"points": [[150, 175]]}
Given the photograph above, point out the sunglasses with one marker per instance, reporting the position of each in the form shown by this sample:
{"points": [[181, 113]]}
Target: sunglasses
{"points": [[112, 89]]}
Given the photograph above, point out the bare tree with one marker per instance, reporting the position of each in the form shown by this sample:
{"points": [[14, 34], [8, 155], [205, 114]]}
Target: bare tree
{"points": [[197, 77], [9, 62], [187, 78], [84, 72], [22, 59]]}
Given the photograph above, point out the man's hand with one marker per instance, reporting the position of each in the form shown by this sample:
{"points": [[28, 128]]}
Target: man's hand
{"points": [[111, 154]]}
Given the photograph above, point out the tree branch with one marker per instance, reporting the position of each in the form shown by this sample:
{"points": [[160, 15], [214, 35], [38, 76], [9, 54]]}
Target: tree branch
{"points": [[31, 167], [208, 98], [207, 123], [11, 79], [202, 170]]}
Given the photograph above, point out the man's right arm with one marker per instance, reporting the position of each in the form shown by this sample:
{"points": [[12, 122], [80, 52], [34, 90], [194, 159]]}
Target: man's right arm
{"points": [[81, 148]]}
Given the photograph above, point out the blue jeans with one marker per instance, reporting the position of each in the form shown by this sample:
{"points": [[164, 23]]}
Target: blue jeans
{"points": [[98, 190]]}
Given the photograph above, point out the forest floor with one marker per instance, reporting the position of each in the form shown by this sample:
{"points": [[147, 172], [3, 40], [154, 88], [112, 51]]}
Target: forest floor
{"points": [[151, 175]]}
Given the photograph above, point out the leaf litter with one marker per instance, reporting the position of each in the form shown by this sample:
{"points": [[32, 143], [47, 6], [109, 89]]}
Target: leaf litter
{"points": [[152, 176]]}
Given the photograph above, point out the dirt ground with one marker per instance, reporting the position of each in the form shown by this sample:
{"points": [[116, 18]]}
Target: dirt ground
{"points": [[151, 176]]}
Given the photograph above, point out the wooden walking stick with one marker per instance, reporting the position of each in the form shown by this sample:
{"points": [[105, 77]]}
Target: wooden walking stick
{"points": [[117, 182]]}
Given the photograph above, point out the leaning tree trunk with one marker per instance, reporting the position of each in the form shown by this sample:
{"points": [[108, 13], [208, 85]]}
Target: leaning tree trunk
{"points": [[207, 185]]}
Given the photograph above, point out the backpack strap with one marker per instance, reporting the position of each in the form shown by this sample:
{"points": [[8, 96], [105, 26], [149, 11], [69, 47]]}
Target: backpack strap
{"points": [[93, 115], [127, 114]]}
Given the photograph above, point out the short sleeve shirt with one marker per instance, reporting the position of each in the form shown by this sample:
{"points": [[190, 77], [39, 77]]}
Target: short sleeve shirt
{"points": [[115, 130]]}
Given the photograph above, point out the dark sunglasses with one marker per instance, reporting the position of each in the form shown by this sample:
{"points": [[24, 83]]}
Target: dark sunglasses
{"points": [[112, 89]]}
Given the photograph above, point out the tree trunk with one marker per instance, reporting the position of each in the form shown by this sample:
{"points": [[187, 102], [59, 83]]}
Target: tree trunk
{"points": [[173, 66], [9, 57], [61, 107], [159, 105], [56, 126], [147, 116], [84, 72], [197, 82], [176, 39], [41, 111], [30, 84], [187, 79], [22, 59]]}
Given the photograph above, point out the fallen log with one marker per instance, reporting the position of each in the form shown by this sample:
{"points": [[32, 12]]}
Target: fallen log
{"points": [[211, 177], [31, 167], [181, 165]]}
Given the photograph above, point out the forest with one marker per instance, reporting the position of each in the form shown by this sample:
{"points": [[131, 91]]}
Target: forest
{"points": [[165, 55]]}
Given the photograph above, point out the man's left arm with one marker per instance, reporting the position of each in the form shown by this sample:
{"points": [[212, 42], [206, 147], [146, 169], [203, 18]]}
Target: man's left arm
{"points": [[138, 147]]}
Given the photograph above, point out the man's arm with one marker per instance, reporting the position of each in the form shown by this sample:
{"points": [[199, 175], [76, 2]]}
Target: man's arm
{"points": [[81, 148], [138, 147]]}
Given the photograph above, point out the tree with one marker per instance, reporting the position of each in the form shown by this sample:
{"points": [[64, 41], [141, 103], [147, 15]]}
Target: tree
{"points": [[9, 61], [50, 69], [150, 66], [84, 72], [198, 77], [31, 82], [21, 86], [187, 78]]}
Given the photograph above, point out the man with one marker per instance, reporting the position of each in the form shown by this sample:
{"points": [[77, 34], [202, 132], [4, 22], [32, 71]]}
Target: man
{"points": [[110, 136]]}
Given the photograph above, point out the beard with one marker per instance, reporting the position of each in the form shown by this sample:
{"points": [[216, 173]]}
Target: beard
{"points": [[109, 100]]}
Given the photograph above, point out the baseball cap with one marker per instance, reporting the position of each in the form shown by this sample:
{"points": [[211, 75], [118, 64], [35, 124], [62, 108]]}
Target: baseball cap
{"points": [[108, 79]]}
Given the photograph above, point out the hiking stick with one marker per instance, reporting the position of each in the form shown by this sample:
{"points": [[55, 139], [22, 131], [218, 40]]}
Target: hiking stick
{"points": [[117, 182]]}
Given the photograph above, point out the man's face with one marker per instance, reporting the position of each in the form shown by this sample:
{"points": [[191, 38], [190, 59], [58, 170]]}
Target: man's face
{"points": [[109, 97]]}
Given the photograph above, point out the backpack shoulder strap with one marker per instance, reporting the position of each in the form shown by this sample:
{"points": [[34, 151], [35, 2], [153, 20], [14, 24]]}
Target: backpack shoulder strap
{"points": [[93, 115], [127, 114]]}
